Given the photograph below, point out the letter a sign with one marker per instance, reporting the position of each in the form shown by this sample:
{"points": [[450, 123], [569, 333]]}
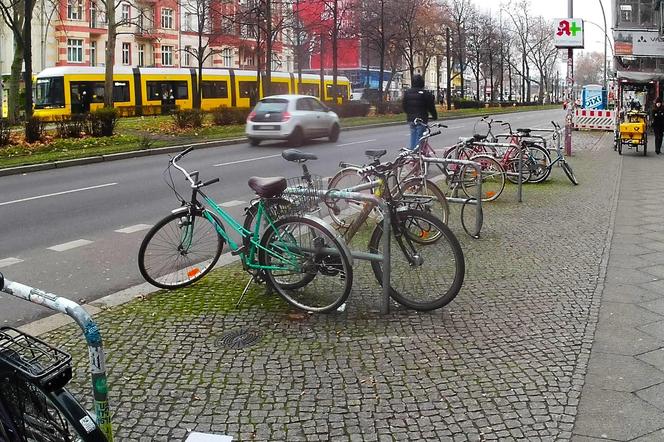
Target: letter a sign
{"points": [[569, 33]]}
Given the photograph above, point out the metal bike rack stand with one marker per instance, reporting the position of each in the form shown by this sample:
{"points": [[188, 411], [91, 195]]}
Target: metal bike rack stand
{"points": [[92, 336], [455, 199], [357, 196]]}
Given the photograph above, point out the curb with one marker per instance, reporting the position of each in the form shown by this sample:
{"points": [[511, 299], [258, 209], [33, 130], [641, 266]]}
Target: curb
{"points": [[177, 148]]}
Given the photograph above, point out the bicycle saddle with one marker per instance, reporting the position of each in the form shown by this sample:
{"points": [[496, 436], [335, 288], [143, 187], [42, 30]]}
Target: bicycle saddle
{"points": [[297, 155], [267, 187], [375, 153], [524, 131], [479, 137]]}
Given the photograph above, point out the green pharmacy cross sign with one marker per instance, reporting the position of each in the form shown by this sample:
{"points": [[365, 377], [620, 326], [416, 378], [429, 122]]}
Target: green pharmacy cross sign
{"points": [[569, 33]]}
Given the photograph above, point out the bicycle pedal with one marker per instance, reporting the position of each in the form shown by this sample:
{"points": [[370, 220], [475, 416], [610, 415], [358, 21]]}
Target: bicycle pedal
{"points": [[242, 249]]}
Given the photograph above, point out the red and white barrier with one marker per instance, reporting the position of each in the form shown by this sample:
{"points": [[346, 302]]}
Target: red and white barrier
{"points": [[594, 119]]}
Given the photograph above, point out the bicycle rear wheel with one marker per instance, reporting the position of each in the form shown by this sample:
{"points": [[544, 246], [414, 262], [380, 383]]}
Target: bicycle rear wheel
{"points": [[422, 187], [28, 413], [179, 250], [493, 178], [426, 275], [307, 264]]}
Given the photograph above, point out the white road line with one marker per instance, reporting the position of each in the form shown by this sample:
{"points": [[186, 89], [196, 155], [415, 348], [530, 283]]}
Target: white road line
{"points": [[9, 261], [354, 142], [233, 203], [70, 245], [247, 160], [57, 193], [133, 229]]}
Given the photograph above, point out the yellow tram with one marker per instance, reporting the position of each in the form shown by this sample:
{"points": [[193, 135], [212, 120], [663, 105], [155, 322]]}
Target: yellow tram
{"points": [[143, 91]]}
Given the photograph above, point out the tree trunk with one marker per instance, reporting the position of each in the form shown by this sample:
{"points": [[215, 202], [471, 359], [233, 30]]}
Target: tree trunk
{"points": [[382, 45], [335, 47], [461, 67], [14, 83], [110, 53], [27, 56], [448, 93], [268, 49], [322, 68]]}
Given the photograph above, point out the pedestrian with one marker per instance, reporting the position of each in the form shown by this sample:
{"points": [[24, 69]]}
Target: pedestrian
{"points": [[418, 103], [658, 124], [85, 101]]}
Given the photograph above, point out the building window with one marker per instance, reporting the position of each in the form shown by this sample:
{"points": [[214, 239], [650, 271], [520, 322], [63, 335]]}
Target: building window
{"points": [[637, 12], [126, 53], [188, 20], [74, 9], [167, 18], [126, 14], [187, 55], [141, 55], [93, 53], [227, 57], [74, 50], [227, 26], [167, 55]]}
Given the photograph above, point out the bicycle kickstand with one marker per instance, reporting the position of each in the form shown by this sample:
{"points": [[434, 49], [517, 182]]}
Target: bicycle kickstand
{"points": [[255, 278]]}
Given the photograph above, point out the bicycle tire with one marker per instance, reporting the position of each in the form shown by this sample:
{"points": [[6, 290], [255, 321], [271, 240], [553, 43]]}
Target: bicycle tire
{"points": [[542, 166], [570, 173], [179, 265], [347, 209], [426, 187], [407, 275], [493, 178], [467, 221], [325, 257], [512, 171], [30, 413]]}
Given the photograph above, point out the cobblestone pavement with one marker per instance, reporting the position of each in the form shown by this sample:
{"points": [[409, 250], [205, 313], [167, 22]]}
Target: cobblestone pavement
{"points": [[623, 395], [506, 360]]}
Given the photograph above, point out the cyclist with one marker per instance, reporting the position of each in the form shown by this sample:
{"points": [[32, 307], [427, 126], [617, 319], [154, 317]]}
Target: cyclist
{"points": [[418, 103]]}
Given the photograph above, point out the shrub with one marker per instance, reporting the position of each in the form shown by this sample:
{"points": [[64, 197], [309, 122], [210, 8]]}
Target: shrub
{"points": [[389, 107], [5, 132], [34, 129], [145, 142], [352, 109], [186, 118], [467, 104], [71, 126], [102, 122], [223, 116]]}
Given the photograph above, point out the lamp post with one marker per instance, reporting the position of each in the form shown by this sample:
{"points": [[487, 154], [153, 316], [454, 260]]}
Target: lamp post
{"points": [[605, 39]]}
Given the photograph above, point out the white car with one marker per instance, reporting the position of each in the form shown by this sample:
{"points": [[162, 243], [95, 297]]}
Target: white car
{"points": [[291, 117]]}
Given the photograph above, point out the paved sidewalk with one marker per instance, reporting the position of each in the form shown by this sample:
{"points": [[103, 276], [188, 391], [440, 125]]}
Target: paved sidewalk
{"points": [[623, 395], [507, 360]]}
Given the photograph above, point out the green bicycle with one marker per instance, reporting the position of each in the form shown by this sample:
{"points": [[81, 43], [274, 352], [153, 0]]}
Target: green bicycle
{"points": [[301, 257]]}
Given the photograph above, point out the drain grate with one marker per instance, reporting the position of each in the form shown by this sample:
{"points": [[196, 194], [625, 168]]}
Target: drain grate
{"points": [[240, 338]]}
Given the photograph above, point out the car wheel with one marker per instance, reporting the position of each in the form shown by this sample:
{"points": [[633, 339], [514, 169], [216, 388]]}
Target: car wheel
{"points": [[254, 141], [296, 138], [334, 133]]}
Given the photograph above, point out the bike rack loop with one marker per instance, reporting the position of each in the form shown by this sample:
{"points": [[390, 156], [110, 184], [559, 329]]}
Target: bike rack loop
{"points": [[92, 336], [478, 199], [357, 196]]}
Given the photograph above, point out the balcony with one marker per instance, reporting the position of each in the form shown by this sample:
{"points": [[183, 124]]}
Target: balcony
{"points": [[145, 32], [97, 26]]}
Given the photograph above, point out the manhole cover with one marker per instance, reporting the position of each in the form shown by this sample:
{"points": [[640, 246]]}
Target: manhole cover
{"points": [[240, 338]]}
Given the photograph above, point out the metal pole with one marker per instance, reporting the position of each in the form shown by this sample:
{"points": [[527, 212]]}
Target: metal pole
{"points": [[606, 37], [448, 94], [520, 178], [570, 93]]}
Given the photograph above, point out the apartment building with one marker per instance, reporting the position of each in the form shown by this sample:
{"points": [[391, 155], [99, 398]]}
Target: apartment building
{"points": [[159, 33]]}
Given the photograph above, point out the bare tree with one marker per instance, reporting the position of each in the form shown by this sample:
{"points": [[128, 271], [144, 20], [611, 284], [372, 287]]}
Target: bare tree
{"points": [[460, 11], [542, 53], [588, 68], [519, 13], [18, 17]]}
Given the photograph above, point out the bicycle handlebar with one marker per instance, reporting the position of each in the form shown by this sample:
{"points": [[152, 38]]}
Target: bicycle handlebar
{"points": [[188, 175]]}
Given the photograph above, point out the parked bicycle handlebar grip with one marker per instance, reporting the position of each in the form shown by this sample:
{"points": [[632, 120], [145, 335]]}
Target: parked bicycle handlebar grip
{"points": [[183, 153], [433, 134], [212, 181]]}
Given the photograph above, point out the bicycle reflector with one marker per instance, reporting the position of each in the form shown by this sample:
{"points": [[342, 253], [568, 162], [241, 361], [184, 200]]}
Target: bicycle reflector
{"points": [[193, 272]]}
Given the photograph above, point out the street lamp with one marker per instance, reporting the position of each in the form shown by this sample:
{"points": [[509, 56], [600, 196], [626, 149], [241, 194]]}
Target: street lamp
{"points": [[606, 37]]}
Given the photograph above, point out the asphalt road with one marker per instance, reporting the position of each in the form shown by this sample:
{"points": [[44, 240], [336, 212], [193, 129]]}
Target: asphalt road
{"points": [[76, 231]]}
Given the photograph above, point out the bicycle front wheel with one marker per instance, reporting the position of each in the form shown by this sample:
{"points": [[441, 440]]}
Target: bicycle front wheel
{"points": [[422, 187], [570, 173], [179, 250], [493, 178], [344, 211], [307, 264], [426, 275], [28, 413]]}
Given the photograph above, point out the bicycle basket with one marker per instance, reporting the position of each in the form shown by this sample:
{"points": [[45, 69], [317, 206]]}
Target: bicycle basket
{"points": [[34, 359], [304, 195]]}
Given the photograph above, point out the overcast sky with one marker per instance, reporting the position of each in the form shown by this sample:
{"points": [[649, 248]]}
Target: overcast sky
{"points": [[585, 9]]}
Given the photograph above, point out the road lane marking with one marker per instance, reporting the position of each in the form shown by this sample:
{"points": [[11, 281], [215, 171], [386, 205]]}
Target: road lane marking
{"points": [[232, 203], [247, 160], [354, 142], [9, 261], [70, 245], [133, 229], [57, 193]]}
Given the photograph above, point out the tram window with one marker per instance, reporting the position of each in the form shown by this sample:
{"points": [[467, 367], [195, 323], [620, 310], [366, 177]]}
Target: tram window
{"points": [[215, 89], [279, 88], [342, 91], [247, 88], [120, 91], [158, 89], [309, 89], [49, 92]]}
